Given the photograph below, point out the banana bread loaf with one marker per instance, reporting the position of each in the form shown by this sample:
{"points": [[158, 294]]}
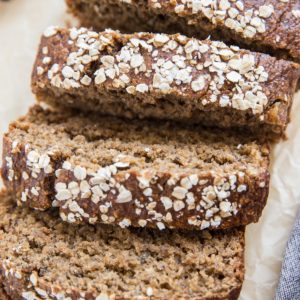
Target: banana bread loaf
{"points": [[165, 77], [271, 26], [43, 258], [139, 173]]}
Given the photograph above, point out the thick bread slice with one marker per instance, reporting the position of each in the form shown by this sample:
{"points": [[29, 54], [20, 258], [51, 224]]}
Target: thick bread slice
{"points": [[43, 258], [139, 173], [165, 77], [271, 26]]}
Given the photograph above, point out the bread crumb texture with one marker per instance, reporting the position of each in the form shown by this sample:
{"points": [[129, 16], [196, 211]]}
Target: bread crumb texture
{"points": [[43, 258]]}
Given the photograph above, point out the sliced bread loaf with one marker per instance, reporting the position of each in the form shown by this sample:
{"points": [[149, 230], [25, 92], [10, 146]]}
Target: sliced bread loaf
{"points": [[270, 26], [140, 173], [42, 258], [166, 77]]}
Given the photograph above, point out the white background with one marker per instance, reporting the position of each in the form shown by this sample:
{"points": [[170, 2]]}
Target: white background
{"points": [[21, 24]]}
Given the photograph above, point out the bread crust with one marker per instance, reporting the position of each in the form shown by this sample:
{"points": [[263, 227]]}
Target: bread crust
{"points": [[195, 94], [136, 196], [272, 27]]}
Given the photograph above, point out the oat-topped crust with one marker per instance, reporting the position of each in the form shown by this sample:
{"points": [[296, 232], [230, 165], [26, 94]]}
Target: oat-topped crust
{"points": [[272, 26], [272, 23], [136, 173], [164, 76], [43, 258]]}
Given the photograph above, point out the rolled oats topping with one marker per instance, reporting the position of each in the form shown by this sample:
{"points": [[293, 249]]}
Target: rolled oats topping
{"points": [[296, 13], [134, 173], [218, 85], [232, 14], [207, 204], [165, 64], [50, 31]]}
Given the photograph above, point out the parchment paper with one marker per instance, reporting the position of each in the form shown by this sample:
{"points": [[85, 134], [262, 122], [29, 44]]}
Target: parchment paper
{"points": [[22, 22]]}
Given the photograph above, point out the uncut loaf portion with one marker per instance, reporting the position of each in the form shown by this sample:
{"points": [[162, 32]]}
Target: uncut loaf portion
{"points": [[270, 26], [140, 173], [165, 77], [43, 258]]}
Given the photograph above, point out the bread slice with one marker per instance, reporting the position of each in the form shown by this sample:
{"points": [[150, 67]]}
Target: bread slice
{"points": [[165, 77], [43, 258], [269, 26], [139, 173]]}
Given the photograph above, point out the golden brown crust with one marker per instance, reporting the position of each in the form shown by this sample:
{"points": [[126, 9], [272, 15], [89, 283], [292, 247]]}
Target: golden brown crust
{"points": [[165, 80], [127, 194], [271, 26]]}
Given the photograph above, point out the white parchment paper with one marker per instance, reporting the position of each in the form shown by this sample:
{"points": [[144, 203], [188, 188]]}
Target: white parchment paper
{"points": [[21, 24]]}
